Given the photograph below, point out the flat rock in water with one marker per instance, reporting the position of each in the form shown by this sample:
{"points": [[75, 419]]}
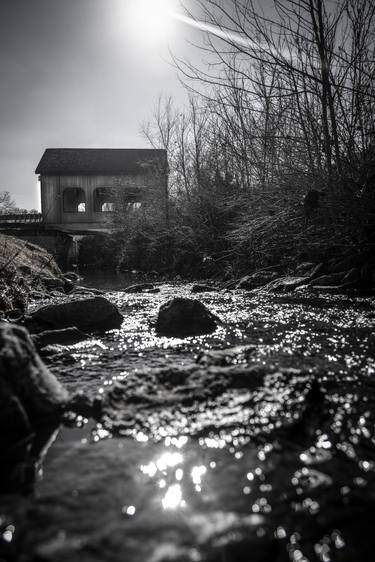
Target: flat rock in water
{"points": [[91, 315], [202, 288], [66, 336], [182, 317], [28, 391]]}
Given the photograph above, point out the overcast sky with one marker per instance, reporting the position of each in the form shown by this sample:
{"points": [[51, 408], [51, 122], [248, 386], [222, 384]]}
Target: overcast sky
{"points": [[77, 73]]}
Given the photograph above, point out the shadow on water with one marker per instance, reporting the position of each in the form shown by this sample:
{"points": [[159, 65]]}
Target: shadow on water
{"points": [[263, 453]]}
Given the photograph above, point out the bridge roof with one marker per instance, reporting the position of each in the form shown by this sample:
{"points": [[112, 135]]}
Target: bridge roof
{"points": [[100, 160]]}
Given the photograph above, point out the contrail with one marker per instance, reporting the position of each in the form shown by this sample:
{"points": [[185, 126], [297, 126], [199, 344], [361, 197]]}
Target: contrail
{"points": [[229, 36]]}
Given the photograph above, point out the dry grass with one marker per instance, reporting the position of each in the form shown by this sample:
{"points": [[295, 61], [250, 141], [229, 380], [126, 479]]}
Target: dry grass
{"points": [[18, 255]]}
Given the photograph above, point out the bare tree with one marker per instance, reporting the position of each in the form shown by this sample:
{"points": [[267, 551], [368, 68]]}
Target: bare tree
{"points": [[6, 202]]}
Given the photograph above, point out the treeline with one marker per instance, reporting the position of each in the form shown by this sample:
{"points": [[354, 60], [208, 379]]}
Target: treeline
{"points": [[285, 104]]}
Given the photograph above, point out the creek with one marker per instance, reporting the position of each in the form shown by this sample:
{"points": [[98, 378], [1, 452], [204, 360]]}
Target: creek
{"points": [[205, 456]]}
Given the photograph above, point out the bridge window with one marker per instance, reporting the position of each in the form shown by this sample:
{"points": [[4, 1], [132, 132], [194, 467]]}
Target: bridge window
{"points": [[104, 200], [74, 200], [132, 202]]}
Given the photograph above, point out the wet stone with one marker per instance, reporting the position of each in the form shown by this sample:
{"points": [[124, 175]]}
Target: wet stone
{"points": [[92, 314], [183, 317]]}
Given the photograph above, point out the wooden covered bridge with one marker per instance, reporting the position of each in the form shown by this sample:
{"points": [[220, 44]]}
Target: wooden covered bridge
{"points": [[85, 191]]}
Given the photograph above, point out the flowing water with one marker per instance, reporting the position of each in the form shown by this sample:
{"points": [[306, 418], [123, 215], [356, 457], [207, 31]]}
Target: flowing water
{"points": [[206, 455]]}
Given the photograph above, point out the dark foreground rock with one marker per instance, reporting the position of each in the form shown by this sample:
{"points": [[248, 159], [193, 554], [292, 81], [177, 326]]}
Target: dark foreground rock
{"points": [[183, 317], [28, 391], [90, 315]]}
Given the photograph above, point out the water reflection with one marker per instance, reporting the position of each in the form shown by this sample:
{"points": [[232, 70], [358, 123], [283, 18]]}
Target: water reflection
{"points": [[173, 497]]}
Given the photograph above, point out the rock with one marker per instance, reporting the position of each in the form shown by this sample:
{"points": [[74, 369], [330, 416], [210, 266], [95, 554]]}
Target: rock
{"points": [[93, 314], [229, 285], [51, 283], [305, 267], [257, 279], [318, 270], [68, 286], [182, 317], [352, 276], [55, 349], [344, 264], [202, 288], [66, 336], [28, 391], [25, 270], [333, 289], [328, 280], [142, 288], [72, 276], [14, 315], [285, 284], [246, 283]]}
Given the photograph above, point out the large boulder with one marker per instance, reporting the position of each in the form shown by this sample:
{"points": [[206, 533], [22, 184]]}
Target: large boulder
{"points": [[182, 317], [89, 315], [28, 391]]}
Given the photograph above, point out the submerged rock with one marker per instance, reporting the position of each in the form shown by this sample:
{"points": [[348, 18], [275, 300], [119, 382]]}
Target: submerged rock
{"points": [[182, 317], [93, 314], [28, 391]]}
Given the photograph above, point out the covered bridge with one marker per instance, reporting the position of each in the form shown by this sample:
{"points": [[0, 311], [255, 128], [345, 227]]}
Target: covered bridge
{"points": [[83, 189]]}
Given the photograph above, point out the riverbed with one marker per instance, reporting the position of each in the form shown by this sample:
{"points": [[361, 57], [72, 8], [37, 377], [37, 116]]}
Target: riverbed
{"points": [[254, 443]]}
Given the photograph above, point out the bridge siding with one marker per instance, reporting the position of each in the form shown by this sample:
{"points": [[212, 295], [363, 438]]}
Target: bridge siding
{"points": [[52, 188]]}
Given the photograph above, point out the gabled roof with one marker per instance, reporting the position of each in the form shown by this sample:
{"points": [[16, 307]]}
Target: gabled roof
{"points": [[100, 160]]}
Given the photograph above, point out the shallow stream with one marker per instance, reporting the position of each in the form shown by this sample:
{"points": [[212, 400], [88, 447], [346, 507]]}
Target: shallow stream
{"points": [[209, 456]]}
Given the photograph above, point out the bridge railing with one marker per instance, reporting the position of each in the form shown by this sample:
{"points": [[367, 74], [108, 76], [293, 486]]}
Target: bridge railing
{"points": [[20, 218]]}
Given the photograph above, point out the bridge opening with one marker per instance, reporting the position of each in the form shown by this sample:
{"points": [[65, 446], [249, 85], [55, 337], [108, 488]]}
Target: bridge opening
{"points": [[104, 200], [74, 200]]}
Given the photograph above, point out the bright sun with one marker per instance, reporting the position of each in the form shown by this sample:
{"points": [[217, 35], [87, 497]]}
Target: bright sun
{"points": [[151, 18]]}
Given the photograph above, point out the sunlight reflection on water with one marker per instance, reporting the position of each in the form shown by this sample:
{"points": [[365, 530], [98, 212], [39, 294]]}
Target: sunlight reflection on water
{"points": [[232, 457]]}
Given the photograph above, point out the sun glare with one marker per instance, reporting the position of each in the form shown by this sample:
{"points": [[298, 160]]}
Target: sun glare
{"points": [[150, 19]]}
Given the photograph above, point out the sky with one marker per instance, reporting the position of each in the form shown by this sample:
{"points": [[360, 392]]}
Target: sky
{"points": [[79, 73]]}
